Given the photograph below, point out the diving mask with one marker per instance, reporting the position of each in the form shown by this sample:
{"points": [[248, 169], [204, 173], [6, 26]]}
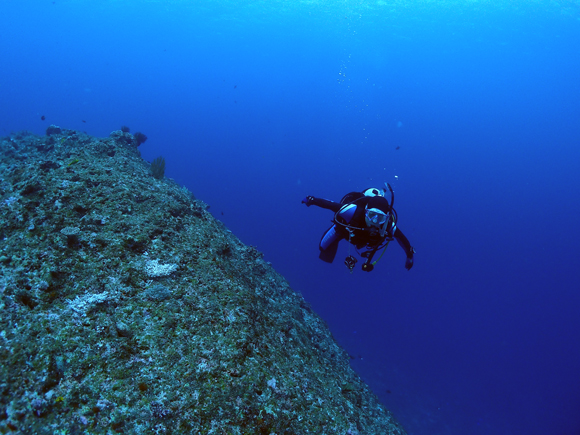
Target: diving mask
{"points": [[375, 217]]}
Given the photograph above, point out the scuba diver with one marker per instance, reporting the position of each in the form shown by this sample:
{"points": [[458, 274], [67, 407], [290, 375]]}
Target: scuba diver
{"points": [[368, 221]]}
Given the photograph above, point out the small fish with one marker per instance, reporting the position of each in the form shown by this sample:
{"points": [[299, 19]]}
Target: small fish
{"points": [[43, 117], [398, 148]]}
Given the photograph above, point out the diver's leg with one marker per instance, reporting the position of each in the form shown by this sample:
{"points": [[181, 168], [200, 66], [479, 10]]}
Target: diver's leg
{"points": [[329, 245]]}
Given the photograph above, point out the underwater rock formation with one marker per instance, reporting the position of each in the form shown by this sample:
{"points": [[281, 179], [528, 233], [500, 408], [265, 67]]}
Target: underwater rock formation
{"points": [[125, 307]]}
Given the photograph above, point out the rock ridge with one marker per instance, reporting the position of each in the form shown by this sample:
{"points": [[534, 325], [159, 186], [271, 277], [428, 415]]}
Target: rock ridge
{"points": [[126, 307]]}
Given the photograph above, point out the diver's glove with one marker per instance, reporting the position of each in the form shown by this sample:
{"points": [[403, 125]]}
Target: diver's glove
{"points": [[308, 201], [409, 262]]}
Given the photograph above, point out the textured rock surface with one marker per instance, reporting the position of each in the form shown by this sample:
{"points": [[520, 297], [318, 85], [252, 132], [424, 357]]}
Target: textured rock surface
{"points": [[127, 308]]}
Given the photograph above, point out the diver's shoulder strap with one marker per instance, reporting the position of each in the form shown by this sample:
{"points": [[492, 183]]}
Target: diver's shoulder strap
{"points": [[346, 212]]}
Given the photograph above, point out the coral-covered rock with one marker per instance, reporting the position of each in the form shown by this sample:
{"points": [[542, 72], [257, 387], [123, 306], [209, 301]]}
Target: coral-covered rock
{"points": [[125, 307]]}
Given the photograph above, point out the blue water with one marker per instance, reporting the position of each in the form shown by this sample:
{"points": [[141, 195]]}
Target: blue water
{"points": [[256, 104]]}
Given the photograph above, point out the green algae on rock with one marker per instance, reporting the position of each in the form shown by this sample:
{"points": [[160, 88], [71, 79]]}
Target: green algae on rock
{"points": [[127, 308]]}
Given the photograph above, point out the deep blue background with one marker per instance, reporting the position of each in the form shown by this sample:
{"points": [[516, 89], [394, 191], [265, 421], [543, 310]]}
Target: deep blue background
{"points": [[256, 104]]}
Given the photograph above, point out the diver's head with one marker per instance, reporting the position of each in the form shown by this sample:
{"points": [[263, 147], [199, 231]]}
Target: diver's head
{"points": [[373, 191], [377, 212]]}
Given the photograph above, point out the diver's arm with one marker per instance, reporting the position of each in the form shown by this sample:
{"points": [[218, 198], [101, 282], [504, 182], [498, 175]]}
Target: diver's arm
{"points": [[409, 250], [322, 203], [404, 242]]}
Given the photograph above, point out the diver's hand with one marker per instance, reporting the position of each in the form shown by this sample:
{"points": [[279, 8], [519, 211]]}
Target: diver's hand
{"points": [[409, 263], [308, 201]]}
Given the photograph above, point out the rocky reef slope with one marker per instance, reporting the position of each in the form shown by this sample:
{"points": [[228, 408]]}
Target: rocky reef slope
{"points": [[125, 307]]}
